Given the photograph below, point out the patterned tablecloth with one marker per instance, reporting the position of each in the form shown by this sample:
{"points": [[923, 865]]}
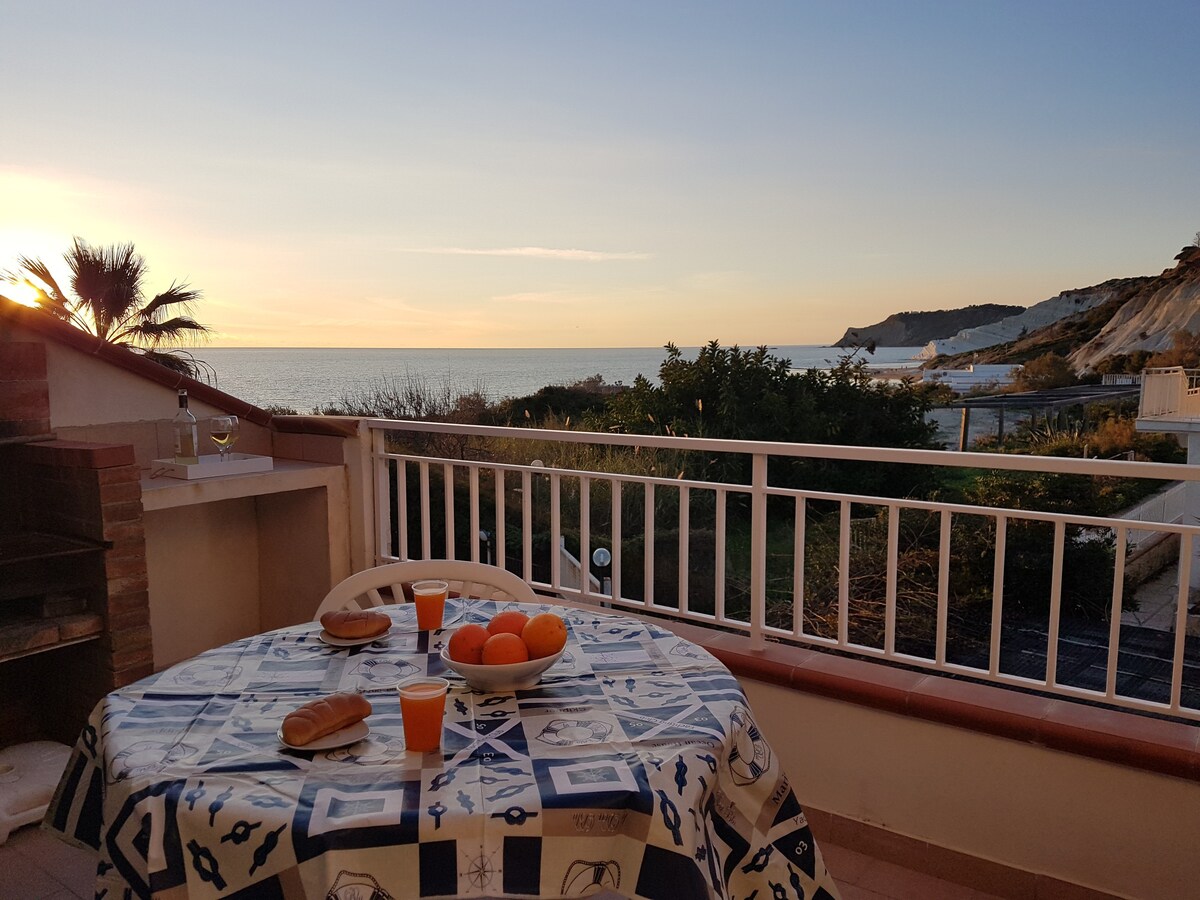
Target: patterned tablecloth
{"points": [[634, 767]]}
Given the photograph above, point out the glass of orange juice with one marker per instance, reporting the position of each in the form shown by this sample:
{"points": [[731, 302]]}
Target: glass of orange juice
{"points": [[422, 706], [430, 597]]}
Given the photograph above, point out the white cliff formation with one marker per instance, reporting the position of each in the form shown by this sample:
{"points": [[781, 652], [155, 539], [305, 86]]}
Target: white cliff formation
{"points": [[1152, 316], [1037, 316]]}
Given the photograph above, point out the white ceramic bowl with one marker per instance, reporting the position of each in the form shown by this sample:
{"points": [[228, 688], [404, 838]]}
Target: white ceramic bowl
{"points": [[507, 677]]}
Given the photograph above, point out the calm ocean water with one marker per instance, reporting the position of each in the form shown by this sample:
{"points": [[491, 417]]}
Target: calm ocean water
{"points": [[306, 379]]}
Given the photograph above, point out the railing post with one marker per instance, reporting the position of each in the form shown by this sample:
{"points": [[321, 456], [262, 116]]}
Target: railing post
{"points": [[381, 521], [758, 551], [1191, 506]]}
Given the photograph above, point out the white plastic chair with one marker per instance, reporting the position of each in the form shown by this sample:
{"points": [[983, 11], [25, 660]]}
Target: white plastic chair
{"points": [[468, 579]]}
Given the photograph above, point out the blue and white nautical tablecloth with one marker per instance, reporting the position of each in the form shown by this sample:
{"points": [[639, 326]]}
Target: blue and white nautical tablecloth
{"points": [[634, 767]]}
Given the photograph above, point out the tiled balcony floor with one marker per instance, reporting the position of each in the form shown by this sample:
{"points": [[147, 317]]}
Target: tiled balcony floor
{"points": [[35, 865], [865, 878]]}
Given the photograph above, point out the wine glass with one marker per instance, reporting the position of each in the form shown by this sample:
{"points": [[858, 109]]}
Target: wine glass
{"points": [[224, 433]]}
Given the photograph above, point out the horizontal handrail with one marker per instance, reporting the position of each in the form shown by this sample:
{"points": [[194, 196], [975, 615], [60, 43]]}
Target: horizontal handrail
{"points": [[776, 491], [963, 459]]}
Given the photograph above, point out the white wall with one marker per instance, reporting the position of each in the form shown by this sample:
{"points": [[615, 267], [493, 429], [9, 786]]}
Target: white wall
{"points": [[1108, 827], [85, 390], [203, 592]]}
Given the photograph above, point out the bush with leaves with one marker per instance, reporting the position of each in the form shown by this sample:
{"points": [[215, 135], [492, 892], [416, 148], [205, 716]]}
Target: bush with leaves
{"points": [[728, 392], [1044, 373], [555, 402], [413, 396]]}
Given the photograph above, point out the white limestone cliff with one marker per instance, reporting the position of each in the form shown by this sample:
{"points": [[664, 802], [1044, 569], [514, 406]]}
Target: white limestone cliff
{"points": [[1151, 317], [1009, 329]]}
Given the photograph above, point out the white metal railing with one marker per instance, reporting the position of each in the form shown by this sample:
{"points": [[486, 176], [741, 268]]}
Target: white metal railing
{"points": [[1118, 378], [1171, 391], [516, 489]]}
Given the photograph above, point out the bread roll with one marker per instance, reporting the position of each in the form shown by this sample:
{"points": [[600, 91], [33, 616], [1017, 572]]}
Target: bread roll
{"points": [[324, 716], [355, 623]]}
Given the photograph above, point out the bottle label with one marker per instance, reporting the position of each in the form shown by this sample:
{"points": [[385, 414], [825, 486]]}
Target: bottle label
{"points": [[185, 445]]}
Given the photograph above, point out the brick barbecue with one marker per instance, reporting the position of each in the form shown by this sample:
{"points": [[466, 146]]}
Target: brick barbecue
{"points": [[74, 601]]}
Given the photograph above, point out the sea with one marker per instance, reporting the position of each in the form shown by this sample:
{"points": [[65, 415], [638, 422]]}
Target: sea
{"points": [[308, 379]]}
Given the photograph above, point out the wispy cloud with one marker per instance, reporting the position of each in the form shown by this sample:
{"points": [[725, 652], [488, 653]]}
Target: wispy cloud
{"points": [[571, 255], [559, 297]]}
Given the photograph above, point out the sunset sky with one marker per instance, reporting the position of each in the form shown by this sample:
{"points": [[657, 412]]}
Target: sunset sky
{"points": [[538, 174]]}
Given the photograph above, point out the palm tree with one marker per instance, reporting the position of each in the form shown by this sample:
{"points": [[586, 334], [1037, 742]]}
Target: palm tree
{"points": [[109, 302]]}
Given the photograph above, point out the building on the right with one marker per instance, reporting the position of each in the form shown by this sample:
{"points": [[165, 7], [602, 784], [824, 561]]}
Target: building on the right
{"points": [[1170, 404]]}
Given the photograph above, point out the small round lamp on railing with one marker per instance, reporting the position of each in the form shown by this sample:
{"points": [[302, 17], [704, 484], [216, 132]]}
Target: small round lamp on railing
{"points": [[601, 558]]}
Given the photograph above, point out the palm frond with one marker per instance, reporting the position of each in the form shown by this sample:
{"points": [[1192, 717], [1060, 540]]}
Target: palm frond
{"points": [[49, 296], [175, 294], [108, 282], [41, 272], [153, 332], [183, 362], [109, 301]]}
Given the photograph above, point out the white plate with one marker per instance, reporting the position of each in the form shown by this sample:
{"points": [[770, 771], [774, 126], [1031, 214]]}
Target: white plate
{"points": [[351, 734], [350, 642]]}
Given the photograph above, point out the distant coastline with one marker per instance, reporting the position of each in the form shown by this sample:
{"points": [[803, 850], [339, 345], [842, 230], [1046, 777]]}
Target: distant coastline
{"points": [[305, 379]]}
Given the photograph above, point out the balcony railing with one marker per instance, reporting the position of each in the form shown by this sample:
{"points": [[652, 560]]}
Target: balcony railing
{"points": [[1170, 392], [894, 563]]}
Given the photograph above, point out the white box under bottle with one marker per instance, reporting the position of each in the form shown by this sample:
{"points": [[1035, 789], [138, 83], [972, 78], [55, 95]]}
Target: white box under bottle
{"points": [[213, 465]]}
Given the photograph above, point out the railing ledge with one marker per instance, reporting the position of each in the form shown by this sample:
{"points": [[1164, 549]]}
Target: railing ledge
{"points": [[1131, 739]]}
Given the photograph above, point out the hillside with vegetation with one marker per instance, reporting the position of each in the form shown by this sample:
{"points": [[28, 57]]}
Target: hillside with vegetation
{"points": [[1136, 318], [1061, 338]]}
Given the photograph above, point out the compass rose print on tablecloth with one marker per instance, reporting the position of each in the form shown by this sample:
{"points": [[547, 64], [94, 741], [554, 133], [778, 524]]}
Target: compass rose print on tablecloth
{"points": [[571, 732], [479, 871], [749, 757]]}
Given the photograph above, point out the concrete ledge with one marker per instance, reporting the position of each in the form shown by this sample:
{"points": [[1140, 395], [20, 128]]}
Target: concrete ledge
{"points": [[78, 454], [1130, 739], [337, 426]]}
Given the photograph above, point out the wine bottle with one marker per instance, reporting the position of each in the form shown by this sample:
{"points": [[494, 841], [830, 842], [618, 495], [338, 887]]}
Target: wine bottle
{"points": [[184, 426]]}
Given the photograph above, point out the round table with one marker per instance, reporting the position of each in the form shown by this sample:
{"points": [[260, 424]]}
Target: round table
{"points": [[635, 767]]}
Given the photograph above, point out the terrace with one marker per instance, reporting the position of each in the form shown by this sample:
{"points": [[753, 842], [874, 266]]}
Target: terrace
{"points": [[1030, 753]]}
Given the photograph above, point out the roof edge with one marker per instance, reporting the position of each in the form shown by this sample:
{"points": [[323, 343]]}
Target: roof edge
{"points": [[42, 323]]}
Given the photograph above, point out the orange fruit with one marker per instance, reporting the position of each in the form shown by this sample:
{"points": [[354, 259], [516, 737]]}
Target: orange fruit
{"points": [[511, 621], [466, 644], [504, 648], [545, 634]]}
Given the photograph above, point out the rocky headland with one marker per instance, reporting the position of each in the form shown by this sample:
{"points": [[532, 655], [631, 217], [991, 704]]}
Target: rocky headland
{"points": [[1086, 325], [915, 329]]}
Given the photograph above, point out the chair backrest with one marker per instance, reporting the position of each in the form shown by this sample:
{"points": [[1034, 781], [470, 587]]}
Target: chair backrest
{"points": [[468, 579]]}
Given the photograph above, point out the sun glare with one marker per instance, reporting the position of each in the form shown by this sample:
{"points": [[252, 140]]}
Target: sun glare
{"points": [[22, 292]]}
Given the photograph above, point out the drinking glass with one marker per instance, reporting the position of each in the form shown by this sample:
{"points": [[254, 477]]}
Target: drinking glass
{"points": [[430, 598], [422, 707], [224, 433]]}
